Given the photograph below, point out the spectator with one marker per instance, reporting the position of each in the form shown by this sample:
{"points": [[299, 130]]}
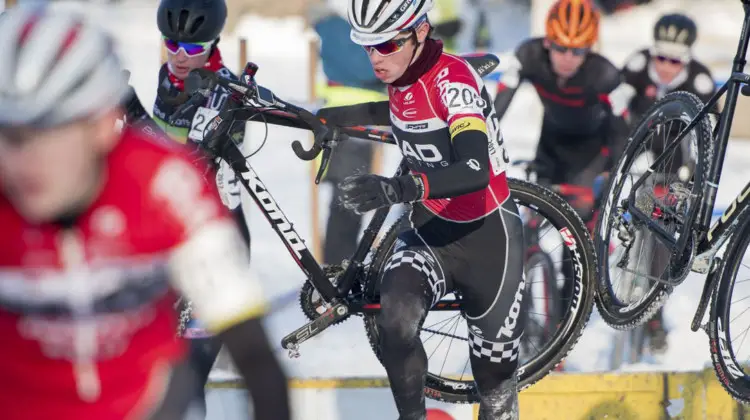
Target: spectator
{"points": [[508, 22]]}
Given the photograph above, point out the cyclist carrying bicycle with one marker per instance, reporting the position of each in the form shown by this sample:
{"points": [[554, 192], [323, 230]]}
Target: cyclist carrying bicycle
{"points": [[667, 66], [190, 30], [99, 227], [463, 220], [584, 99]]}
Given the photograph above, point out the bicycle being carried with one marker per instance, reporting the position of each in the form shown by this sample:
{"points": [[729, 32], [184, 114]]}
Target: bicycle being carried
{"points": [[685, 164], [333, 293]]}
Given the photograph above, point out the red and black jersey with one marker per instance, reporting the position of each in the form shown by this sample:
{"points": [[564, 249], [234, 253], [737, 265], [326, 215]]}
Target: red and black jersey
{"points": [[449, 133], [449, 99]]}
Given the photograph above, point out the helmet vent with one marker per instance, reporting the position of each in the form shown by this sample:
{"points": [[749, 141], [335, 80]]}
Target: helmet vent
{"points": [[196, 24]]}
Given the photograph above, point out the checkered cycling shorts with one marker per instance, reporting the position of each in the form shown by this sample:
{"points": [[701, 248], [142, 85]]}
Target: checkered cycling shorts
{"points": [[498, 352]]}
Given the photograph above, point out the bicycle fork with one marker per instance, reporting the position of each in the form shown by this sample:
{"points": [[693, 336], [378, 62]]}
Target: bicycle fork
{"points": [[292, 341]]}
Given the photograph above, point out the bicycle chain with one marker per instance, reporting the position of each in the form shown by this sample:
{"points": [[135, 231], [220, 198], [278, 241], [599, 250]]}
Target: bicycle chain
{"points": [[444, 334]]}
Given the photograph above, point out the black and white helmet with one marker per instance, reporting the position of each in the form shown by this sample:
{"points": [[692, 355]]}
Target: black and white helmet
{"points": [[377, 21], [55, 68], [674, 36]]}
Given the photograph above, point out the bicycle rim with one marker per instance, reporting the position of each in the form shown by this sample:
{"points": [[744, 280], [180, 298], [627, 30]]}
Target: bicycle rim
{"points": [[727, 333]]}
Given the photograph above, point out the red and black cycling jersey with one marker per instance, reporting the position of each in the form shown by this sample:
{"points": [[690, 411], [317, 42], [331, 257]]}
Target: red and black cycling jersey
{"points": [[448, 132], [428, 118], [639, 73], [580, 105]]}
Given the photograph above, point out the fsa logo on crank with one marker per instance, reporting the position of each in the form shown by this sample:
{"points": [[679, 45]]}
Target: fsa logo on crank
{"points": [[273, 212], [511, 320], [570, 242], [734, 370]]}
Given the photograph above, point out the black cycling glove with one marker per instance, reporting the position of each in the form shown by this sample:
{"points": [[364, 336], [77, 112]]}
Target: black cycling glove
{"points": [[362, 193]]}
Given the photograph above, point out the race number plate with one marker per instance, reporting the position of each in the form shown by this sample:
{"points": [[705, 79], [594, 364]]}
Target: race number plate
{"points": [[201, 119]]}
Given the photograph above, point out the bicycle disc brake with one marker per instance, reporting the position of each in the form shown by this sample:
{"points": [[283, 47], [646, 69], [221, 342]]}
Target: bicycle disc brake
{"points": [[311, 302]]}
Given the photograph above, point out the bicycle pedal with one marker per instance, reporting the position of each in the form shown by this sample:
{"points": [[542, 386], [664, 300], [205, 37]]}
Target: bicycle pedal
{"points": [[293, 351]]}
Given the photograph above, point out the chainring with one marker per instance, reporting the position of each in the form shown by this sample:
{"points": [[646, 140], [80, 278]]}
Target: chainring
{"points": [[310, 300]]}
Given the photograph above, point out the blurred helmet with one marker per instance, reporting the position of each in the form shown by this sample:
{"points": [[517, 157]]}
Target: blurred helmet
{"points": [[55, 68], [573, 23], [377, 21], [674, 35], [191, 20]]}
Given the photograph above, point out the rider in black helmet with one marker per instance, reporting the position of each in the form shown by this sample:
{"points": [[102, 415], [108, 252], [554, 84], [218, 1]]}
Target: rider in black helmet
{"points": [[190, 31]]}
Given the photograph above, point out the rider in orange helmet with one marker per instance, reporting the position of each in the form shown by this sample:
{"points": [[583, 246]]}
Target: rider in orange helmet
{"points": [[582, 94], [584, 100]]}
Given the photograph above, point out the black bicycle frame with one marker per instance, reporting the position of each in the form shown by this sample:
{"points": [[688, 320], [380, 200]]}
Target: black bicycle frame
{"points": [[721, 228], [289, 235]]}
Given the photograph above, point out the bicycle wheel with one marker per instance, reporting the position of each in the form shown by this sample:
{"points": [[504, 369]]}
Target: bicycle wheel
{"points": [[564, 225], [669, 197], [728, 304]]}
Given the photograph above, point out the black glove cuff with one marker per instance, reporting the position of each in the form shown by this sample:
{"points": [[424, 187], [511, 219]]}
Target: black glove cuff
{"points": [[412, 188]]}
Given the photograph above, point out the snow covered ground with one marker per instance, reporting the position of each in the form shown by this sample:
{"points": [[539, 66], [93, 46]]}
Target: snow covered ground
{"points": [[280, 47]]}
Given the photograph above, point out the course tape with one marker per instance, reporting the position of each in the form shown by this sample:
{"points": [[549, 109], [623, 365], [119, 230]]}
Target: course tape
{"points": [[571, 396]]}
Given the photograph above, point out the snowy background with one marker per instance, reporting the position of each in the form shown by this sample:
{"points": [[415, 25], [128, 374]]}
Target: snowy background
{"points": [[281, 48]]}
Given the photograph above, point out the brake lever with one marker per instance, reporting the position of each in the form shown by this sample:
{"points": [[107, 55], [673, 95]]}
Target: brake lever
{"points": [[327, 152], [324, 160]]}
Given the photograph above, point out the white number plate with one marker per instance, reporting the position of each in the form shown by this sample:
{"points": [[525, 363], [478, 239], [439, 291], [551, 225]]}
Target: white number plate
{"points": [[202, 117]]}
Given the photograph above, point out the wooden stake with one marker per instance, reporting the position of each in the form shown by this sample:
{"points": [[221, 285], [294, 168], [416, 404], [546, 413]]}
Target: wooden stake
{"points": [[243, 55], [376, 164], [317, 247]]}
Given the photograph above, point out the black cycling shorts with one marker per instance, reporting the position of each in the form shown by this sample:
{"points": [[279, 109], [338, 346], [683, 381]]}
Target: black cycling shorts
{"points": [[482, 261]]}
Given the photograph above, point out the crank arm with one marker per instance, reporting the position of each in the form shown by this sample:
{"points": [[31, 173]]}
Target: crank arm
{"points": [[292, 341]]}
